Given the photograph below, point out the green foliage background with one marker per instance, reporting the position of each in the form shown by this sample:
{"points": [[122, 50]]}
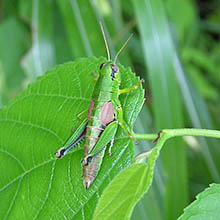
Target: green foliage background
{"points": [[175, 48]]}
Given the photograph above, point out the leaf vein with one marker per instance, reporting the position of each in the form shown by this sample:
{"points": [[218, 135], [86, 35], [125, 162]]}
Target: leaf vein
{"points": [[34, 125], [14, 157], [48, 191], [14, 198]]}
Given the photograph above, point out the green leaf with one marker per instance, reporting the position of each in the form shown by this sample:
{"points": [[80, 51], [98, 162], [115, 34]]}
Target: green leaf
{"points": [[206, 205], [127, 189], [150, 207], [35, 185]]}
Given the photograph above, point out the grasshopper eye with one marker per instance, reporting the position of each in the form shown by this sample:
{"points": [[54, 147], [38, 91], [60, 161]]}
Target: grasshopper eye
{"points": [[114, 70], [102, 65]]}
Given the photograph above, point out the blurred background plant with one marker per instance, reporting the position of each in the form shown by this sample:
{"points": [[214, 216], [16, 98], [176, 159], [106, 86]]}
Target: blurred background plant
{"points": [[176, 50]]}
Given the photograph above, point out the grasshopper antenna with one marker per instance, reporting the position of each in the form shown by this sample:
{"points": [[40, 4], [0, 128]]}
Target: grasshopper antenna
{"points": [[106, 43], [116, 56]]}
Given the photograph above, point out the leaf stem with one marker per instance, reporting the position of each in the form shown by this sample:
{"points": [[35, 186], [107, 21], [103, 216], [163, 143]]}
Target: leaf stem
{"points": [[145, 136], [180, 132], [192, 132], [165, 134]]}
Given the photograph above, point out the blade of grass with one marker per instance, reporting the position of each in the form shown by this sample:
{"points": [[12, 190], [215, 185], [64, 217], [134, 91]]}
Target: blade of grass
{"points": [[14, 41], [41, 57], [82, 22], [159, 54], [3, 88], [82, 27], [200, 118], [62, 47], [112, 15]]}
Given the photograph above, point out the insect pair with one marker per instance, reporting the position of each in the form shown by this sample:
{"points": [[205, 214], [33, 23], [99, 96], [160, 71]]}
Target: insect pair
{"points": [[102, 119]]}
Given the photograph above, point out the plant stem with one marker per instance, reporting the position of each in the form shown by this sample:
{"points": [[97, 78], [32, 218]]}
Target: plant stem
{"points": [[180, 132], [145, 136], [192, 132], [165, 134]]}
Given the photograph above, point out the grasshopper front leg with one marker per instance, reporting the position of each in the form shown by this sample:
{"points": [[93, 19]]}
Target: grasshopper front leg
{"points": [[123, 123], [121, 120], [132, 88]]}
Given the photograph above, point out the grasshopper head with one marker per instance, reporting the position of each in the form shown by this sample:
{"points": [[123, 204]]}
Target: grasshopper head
{"points": [[109, 68]]}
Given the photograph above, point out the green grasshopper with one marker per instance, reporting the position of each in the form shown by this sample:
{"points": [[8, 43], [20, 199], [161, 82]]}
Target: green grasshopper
{"points": [[104, 116]]}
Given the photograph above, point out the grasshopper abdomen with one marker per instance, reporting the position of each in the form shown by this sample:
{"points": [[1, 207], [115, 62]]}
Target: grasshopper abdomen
{"points": [[101, 115]]}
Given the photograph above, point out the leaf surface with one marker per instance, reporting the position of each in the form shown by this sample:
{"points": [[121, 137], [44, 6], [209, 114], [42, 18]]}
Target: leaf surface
{"points": [[127, 189], [206, 205], [35, 185]]}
